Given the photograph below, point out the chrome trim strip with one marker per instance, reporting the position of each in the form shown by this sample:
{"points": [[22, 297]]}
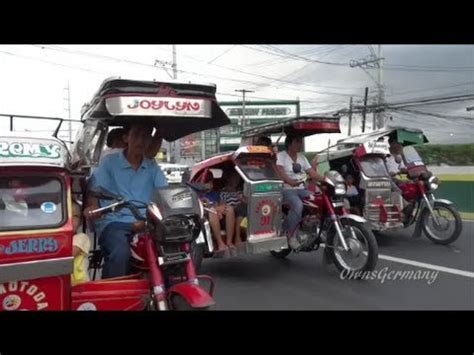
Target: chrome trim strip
{"points": [[31, 270], [251, 182]]}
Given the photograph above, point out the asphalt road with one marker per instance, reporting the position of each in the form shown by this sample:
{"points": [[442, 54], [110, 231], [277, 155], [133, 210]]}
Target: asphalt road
{"points": [[303, 282]]}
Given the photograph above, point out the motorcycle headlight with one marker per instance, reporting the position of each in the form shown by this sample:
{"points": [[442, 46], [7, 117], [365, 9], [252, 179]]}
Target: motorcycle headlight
{"points": [[433, 183], [340, 189]]}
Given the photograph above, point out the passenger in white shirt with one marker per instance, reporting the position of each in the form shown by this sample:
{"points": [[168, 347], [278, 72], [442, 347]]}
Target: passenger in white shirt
{"points": [[394, 162], [292, 166], [395, 167], [353, 196]]}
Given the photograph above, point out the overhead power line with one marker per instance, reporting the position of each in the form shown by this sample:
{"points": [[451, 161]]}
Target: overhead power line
{"points": [[208, 75]]}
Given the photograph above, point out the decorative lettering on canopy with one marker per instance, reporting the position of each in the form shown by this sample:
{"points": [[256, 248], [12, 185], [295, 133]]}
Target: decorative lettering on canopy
{"points": [[29, 150], [151, 106]]}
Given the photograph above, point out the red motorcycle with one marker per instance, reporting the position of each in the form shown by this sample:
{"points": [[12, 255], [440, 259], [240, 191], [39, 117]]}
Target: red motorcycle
{"points": [[162, 247], [389, 203], [40, 179], [348, 242], [439, 219]]}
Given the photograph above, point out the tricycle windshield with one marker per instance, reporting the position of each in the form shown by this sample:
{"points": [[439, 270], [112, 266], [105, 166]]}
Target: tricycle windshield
{"points": [[31, 203], [258, 168], [374, 167]]}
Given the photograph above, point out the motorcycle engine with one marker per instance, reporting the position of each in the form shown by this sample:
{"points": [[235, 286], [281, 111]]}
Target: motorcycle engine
{"points": [[309, 229]]}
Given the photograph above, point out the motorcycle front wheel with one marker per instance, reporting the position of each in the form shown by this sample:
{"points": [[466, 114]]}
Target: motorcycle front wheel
{"points": [[363, 250], [449, 226]]}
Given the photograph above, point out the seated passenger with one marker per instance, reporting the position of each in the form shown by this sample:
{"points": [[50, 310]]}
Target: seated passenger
{"points": [[395, 167], [292, 166], [134, 177], [394, 162], [80, 248], [116, 143], [352, 194], [232, 196], [265, 141], [220, 211]]}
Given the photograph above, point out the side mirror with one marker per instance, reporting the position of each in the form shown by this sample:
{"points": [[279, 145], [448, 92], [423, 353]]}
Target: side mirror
{"points": [[104, 194]]}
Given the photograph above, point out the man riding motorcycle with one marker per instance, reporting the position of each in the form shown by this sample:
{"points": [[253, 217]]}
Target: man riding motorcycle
{"points": [[133, 176], [292, 165], [394, 162], [395, 167]]}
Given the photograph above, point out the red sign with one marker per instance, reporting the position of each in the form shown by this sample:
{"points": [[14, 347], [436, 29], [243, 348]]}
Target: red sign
{"points": [[266, 208], [265, 220], [34, 295]]}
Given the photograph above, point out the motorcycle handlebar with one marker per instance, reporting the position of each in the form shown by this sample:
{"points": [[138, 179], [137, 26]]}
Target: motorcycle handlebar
{"points": [[121, 204], [108, 208]]}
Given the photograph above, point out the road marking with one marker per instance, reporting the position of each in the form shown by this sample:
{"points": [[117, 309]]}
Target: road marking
{"points": [[424, 265], [427, 266]]}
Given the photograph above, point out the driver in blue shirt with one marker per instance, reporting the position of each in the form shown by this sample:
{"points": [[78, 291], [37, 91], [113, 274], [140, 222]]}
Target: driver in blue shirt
{"points": [[132, 176]]}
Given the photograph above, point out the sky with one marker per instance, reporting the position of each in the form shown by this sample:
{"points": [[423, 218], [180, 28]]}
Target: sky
{"points": [[33, 79]]}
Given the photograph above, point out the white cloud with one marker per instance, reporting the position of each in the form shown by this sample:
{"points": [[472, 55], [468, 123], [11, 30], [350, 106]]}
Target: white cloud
{"points": [[29, 85]]}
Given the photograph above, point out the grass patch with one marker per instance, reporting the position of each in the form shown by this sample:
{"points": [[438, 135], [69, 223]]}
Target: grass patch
{"points": [[468, 216], [464, 177]]}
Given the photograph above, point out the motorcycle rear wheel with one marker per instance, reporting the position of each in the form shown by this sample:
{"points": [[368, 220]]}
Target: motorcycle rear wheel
{"points": [[430, 228]]}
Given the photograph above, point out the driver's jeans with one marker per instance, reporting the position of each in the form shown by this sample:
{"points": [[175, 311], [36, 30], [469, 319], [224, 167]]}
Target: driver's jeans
{"points": [[294, 198], [114, 242]]}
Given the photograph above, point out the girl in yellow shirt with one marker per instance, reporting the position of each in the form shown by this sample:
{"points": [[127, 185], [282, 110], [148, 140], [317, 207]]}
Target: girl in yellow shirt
{"points": [[81, 245]]}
